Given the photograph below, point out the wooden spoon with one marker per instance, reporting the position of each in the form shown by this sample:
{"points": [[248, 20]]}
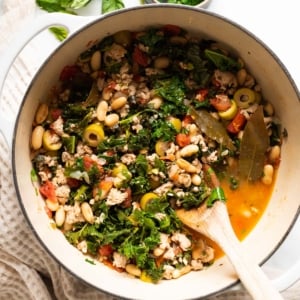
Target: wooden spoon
{"points": [[214, 223]]}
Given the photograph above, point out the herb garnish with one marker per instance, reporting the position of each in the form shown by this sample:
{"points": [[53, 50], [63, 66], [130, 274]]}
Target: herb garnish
{"points": [[72, 7]]}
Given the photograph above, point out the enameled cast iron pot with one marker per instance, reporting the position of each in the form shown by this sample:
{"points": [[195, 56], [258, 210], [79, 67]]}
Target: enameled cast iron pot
{"points": [[277, 85]]}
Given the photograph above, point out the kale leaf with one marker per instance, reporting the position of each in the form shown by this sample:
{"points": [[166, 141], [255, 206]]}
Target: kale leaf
{"points": [[221, 61]]}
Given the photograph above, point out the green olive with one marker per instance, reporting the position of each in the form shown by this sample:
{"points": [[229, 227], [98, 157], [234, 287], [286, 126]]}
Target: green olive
{"points": [[121, 174], [51, 141], [146, 199], [175, 122], [245, 97], [230, 112], [123, 38], [121, 169], [93, 134], [161, 147]]}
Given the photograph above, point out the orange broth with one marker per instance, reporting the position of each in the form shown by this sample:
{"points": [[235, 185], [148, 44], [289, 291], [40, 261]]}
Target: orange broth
{"points": [[245, 207]]}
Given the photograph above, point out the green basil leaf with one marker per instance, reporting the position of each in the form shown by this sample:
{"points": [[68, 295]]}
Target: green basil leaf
{"points": [[60, 33], [111, 5]]}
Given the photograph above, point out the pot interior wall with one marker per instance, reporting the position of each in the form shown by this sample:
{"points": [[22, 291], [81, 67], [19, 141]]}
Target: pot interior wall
{"points": [[277, 88]]}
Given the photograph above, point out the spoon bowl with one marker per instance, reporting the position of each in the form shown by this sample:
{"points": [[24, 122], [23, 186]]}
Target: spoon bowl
{"points": [[214, 223]]}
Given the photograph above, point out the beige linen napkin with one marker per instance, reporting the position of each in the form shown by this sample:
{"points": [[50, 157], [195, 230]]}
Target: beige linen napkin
{"points": [[27, 271]]}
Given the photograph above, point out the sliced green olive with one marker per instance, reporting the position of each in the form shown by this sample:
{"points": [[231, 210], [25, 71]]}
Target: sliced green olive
{"points": [[123, 38], [147, 198], [230, 112], [93, 134], [121, 170], [245, 97], [176, 123], [121, 174], [161, 147], [51, 141]]}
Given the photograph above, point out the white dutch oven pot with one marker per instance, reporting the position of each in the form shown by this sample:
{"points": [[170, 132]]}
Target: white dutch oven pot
{"points": [[283, 209]]}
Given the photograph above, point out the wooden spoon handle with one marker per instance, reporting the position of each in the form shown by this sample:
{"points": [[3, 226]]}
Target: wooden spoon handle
{"points": [[250, 274]]}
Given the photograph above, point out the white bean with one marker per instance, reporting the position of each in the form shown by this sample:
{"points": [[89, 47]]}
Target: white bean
{"points": [[196, 179], [268, 174], [155, 102], [274, 154], [52, 205], [269, 109], [111, 120], [249, 82], [101, 110], [60, 216], [186, 166], [189, 150], [118, 102], [179, 272], [41, 113], [133, 270], [241, 76], [96, 61], [37, 137], [87, 212]]}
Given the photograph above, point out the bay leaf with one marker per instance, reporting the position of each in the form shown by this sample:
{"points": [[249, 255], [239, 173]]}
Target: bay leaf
{"points": [[211, 127], [254, 145]]}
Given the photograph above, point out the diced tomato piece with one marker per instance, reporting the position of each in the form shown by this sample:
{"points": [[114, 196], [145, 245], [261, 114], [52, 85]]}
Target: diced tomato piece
{"points": [[88, 163], [171, 30], [105, 250], [68, 72], [221, 102], [110, 152], [188, 119], [55, 113], [102, 188], [183, 139], [201, 94], [48, 191], [237, 124], [140, 57]]}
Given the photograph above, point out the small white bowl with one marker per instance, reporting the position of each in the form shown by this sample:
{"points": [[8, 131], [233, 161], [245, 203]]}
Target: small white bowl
{"points": [[202, 4]]}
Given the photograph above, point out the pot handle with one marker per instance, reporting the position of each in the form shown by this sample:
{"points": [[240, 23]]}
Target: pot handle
{"points": [[288, 278], [290, 249], [36, 26]]}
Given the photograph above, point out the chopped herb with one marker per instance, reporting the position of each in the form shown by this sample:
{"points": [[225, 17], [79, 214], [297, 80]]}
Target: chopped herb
{"points": [[59, 32], [221, 61], [90, 261], [62, 5]]}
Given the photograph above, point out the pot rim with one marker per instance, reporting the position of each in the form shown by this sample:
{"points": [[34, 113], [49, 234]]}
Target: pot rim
{"points": [[73, 36]]}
